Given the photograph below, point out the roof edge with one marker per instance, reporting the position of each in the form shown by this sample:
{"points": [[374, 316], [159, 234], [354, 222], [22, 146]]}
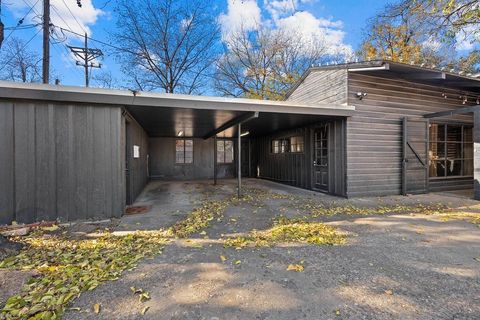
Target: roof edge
{"points": [[57, 93]]}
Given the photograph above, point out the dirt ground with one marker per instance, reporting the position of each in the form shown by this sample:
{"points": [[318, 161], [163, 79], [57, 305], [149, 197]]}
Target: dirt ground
{"points": [[405, 266]]}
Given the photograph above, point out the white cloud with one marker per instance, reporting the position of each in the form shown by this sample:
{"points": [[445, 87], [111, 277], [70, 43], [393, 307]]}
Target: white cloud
{"points": [[244, 15], [79, 20], [465, 40], [286, 15], [432, 44], [317, 30], [281, 8]]}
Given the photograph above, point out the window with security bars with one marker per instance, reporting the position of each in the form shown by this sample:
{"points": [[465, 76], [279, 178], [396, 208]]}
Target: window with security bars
{"points": [[294, 144], [450, 150], [184, 151]]}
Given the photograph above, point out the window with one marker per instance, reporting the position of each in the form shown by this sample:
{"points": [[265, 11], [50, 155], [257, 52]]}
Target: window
{"points": [[293, 144], [296, 144], [280, 145], [224, 151], [450, 150], [184, 151]]}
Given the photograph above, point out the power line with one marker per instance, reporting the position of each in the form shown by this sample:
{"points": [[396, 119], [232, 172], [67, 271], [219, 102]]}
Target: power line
{"points": [[60, 16], [20, 22], [24, 46], [71, 13], [99, 41]]}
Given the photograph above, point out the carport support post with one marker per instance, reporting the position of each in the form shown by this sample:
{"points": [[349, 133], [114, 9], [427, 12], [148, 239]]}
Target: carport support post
{"points": [[215, 160], [239, 160], [476, 154]]}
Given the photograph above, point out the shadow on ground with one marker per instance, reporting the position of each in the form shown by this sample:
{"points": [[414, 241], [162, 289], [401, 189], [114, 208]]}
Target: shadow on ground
{"points": [[393, 266]]}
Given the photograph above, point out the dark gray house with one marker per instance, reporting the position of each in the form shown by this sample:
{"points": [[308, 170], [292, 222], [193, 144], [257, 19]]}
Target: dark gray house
{"points": [[363, 129]]}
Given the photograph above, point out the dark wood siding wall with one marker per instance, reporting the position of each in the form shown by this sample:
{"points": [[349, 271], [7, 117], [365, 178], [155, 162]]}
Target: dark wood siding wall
{"points": [[337, 157], [289, 168], [374, 133], [138, 167], [326, 86], [162, 161], [296, 168], [59, 161]]}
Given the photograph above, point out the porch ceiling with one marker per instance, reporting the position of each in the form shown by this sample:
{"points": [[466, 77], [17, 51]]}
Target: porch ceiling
{"points": [[168, 122]]}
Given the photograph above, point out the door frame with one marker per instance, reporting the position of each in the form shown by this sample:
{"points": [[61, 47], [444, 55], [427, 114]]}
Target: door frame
{"points": [[313, 155]]}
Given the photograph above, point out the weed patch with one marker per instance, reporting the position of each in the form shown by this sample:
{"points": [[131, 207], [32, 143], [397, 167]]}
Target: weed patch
{"points": [[290, 231], [70, 267]]}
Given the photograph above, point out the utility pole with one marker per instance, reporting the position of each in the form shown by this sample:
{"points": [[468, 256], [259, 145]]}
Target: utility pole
{"points": [[2, 27], [86, 55], [46, 41]]}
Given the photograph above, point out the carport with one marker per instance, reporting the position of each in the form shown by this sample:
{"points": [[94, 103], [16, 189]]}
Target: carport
{"points": [[212, 118]]}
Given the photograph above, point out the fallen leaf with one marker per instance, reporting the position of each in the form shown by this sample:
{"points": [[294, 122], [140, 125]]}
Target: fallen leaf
{"points": [[477, 258], [389, 292], [96, 308], [238, 262], [144, 297], [295, 267], [144, 310], [136, 290], [223, 258]]}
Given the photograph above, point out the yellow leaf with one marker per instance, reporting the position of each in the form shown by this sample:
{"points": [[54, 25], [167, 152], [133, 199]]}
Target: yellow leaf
{"points": [[144, 310], [96, 308], [51, 228], [389, 292], [295, 267], [238, 262], [223, 258]]}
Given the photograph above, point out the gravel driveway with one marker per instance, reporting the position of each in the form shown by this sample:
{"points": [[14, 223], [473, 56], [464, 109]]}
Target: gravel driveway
{"points": [[392, 267]]}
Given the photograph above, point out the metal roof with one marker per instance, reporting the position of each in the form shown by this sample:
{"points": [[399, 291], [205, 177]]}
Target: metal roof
{"points": [[59, 93], [441, 77]]}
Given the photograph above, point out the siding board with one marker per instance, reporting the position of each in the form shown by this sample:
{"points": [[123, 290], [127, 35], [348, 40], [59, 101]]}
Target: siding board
{"points": [[7, 160], [55, 162], [374, 159]]}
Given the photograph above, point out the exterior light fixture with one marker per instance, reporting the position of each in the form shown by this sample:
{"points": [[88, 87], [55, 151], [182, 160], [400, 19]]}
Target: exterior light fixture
{"points": [[246, 133], [360, 95], [180, 133]]}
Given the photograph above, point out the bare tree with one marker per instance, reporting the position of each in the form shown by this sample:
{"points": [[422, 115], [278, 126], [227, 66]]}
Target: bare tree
{"points": [[166, 44], [264, 63], [104, 80], [18, 63]]}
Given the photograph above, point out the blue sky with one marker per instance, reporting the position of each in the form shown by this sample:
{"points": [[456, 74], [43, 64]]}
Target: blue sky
{"points": [[341, 21]]}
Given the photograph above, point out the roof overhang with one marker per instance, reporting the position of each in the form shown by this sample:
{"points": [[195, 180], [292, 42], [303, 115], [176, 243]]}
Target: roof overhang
{"points": [[421, 74], [162, 114], [416, 73]]}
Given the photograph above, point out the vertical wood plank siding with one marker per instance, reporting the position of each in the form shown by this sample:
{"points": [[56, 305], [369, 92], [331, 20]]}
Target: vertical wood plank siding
{"points": [[374, 133], [163, 167], [296, 168], [59, 161], [288, 168], [138, 170]]}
